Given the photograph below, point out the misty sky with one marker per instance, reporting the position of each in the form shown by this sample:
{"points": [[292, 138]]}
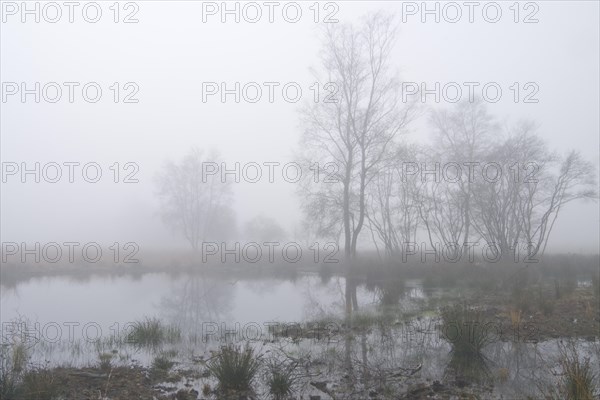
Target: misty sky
{"points": [[170, 52]]}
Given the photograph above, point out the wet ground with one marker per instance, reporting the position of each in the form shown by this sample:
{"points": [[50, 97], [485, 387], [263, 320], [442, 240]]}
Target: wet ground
{"points": [[353, 341]]}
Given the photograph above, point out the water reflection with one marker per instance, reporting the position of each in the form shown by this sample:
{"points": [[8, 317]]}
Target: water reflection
{"points": [[384, 337], [468, 368], [196, 300]]}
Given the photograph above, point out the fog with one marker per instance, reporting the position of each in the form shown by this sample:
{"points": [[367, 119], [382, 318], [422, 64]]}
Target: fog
{"points": [[169, 53], [299, 200]]}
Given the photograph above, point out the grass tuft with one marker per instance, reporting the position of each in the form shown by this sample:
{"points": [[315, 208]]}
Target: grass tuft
{"points": [[37, 384], [465, 329], [281, 379], [578, 380], [105, 361], [161, 366], [152, 333], [235, 368]]}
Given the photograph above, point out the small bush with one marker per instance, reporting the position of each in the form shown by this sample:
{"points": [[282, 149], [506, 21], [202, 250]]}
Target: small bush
{"points": [[234, 368]]}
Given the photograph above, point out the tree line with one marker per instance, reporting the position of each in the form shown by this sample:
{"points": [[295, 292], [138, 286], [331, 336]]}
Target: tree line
{"points": [[479, 180]]}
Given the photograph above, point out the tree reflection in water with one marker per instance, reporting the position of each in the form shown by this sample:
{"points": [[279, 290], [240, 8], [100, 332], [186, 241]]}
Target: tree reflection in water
{"points": [[197, 301]]}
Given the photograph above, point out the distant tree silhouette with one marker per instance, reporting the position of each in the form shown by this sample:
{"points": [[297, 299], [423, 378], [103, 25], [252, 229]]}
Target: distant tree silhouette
{"points": [[194, 203]]}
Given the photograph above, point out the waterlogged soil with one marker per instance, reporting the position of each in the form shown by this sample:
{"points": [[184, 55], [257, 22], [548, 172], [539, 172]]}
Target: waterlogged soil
{"points": [[576, 315], [400, 374], [124, 383], [135, 382]]}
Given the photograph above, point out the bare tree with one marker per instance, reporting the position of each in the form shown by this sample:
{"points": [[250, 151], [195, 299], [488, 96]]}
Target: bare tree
{"points": [[352, 127], [393, 203], [575, 179], [194, 201], [520, 203], [498, 204], [464, 136], [509, 190], [442, 211]]}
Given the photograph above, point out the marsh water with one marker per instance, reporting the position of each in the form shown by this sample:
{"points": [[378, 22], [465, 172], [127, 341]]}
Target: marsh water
{"points": [[70, 321]]}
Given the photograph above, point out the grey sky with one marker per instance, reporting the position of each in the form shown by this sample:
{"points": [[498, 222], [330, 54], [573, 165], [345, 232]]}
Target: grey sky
{"points": [[170, 52]]}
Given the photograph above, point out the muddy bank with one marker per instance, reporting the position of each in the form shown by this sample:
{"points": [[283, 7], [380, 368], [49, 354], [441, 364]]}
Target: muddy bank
{"points": [[135, 382]]}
